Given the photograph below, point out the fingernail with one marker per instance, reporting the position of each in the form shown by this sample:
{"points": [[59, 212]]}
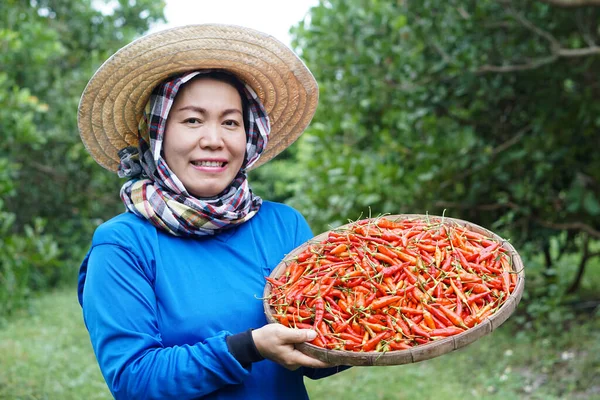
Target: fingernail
{"points": [[311, 335]]}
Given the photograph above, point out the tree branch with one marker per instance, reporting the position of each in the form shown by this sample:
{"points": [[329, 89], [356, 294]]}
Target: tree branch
{"points": [[510, 142], [556, 50], [586, 51], [580, 226], [48, 171], [495, 151], [581, 267], [447, 59], [537, 63], [463, 13], [482, 207], [583, 29], [595, 254], [572, 3], [535, 29]]}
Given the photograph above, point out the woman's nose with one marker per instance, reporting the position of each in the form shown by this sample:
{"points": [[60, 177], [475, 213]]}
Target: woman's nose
{"points": [[211, 137]]}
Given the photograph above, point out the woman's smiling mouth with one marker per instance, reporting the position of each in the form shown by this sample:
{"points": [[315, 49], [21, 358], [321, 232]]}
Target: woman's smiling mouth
{"points": [[209, 164]]}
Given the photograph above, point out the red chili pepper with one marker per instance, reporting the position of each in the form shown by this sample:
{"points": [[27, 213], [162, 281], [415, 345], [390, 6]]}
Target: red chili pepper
{"points": [[295, 272], [458, 291], [373, 326], [417, 294], [371, 239], [298, 319], [390, 324], [370, 345], [439, 256], [461, 257], [385, 250], [428, 248], [305, 255], [384, 301], [381, 289], [303, 326], [301, 312], [466, 277], [401, 327], [370, 299], [470, 321], [437, 292], [387, 224], [410, 276], [354, 282], [384, 258], [388, 271], [360, 300], [392, 282], [356, 328], [404, 256], [506, 282], [350, 337], [398, 345], [448, 331], [452, 316], [428, 319], [274, 281], [318, 341], [416, 329], [487, 252], [476, 297], [438, 314], [339, 249], [391, 237], [342, 326], [319, 311], [411, 311], [365, 288], [282, 318]]}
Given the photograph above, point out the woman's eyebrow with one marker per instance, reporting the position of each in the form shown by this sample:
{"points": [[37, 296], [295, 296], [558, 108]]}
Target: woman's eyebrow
{"points": [[201, 110], [197, 109], [231, 111]]}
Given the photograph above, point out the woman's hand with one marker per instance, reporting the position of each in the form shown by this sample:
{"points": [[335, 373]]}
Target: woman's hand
{"points": [[276, 342]]}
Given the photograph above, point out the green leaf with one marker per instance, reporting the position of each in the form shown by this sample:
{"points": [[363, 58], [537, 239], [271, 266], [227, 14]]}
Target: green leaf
{"points": [[591, 204]]}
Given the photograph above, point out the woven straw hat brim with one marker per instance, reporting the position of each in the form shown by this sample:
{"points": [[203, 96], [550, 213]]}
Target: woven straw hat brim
{"points": [[113, 101]]}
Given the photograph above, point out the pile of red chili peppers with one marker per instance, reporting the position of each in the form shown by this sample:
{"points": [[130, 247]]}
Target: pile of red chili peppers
{"points": [[382, 285]]}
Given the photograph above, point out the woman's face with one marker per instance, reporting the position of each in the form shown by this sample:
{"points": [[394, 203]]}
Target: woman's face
{"points": [[205, 139]]}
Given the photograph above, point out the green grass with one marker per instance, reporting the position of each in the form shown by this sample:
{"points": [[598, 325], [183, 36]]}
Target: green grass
{"points": [[45, 354], [503, 365]]}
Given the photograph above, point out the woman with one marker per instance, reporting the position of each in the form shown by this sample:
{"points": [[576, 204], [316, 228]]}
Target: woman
{"points": [[171, 288]]}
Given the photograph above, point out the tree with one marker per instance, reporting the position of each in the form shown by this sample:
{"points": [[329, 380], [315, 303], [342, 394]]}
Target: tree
{"points": [[52, 192], [484, 110], [56, 46]]}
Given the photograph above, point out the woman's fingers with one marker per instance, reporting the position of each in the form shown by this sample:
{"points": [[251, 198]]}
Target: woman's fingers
{"points": [[276, 342], [307, 361], [289, 335]]}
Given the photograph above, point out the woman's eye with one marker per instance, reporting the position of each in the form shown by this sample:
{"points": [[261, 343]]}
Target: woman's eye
{"points": [[231, 122], [192, 120]]}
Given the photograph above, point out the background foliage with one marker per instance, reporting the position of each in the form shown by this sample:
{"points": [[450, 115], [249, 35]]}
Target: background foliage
{"points": [[483, 110], [52, 194]]}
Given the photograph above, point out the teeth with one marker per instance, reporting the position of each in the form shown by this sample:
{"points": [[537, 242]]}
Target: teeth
{"points": [[208, 163]]}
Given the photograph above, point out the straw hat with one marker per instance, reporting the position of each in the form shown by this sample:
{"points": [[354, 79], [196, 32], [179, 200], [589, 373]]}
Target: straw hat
{"points": [[112, 102]]}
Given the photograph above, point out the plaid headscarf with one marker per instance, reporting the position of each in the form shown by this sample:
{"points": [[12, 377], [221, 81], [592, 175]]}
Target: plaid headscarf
{"points": [[155, 193]]}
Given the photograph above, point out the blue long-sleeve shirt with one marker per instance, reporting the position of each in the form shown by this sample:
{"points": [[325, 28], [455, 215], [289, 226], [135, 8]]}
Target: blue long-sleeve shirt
{"points": [[158, 308]]}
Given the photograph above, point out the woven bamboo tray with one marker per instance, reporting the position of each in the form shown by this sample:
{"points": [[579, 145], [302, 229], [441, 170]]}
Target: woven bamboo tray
{"points": [[419, 352]]}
